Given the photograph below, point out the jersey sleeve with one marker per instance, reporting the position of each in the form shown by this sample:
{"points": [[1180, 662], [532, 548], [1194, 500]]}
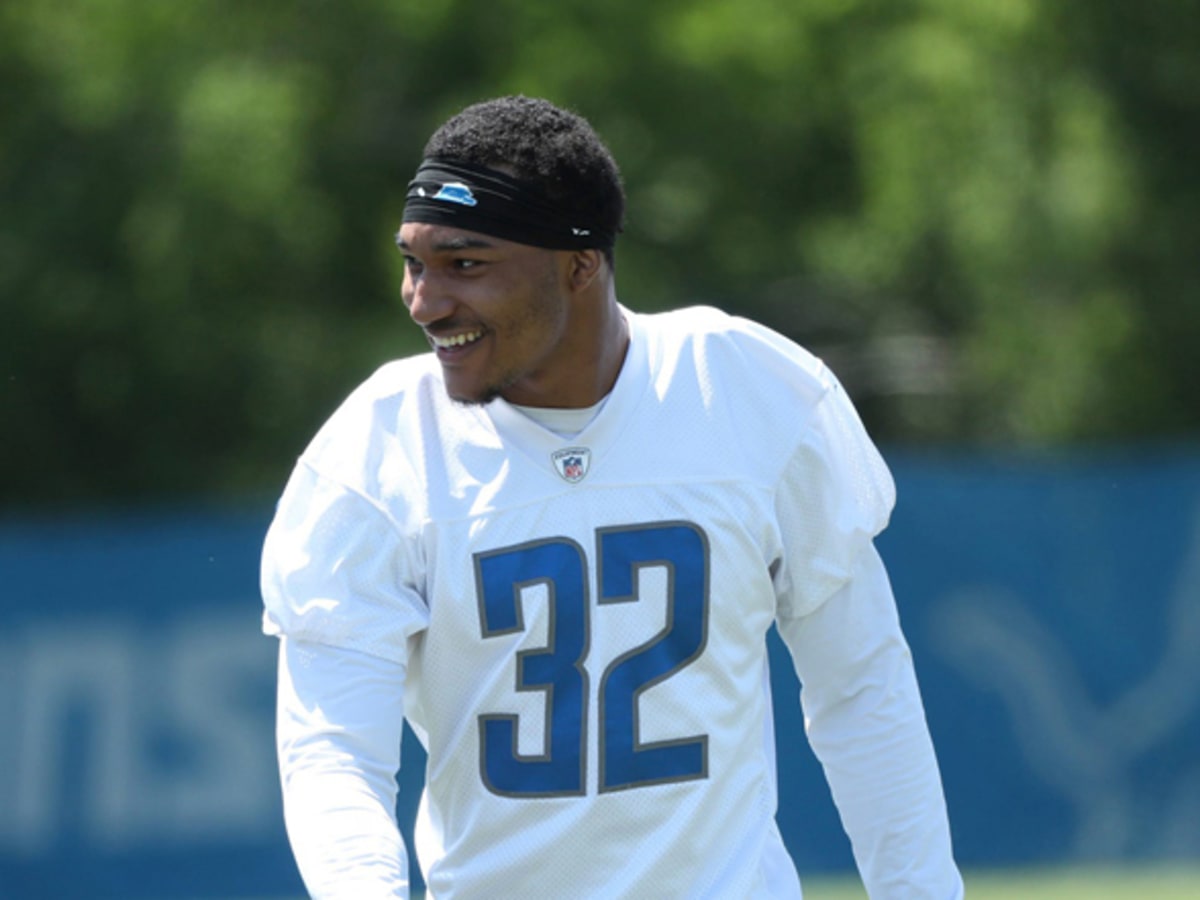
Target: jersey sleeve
{"points": [[835, 495], [337, 570], [341, 588], [837, 616], [339, 720], [866, 724]]}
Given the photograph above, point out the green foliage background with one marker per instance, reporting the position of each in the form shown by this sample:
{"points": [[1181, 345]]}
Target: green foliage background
{"points": [[985, 215]]}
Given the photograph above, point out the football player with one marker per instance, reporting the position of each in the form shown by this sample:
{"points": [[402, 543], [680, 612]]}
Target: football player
{"points": [[555, 544]]}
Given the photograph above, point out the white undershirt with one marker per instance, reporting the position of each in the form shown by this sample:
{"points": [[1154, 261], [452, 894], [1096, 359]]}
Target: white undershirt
{"points": [[566, 423]]}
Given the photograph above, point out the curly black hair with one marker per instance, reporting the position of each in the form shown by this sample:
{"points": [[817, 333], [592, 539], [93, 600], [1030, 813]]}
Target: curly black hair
{"points": [[552, 148]]}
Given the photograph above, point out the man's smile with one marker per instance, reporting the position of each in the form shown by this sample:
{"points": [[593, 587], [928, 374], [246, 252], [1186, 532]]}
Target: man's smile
{"points": [[450, 342]]}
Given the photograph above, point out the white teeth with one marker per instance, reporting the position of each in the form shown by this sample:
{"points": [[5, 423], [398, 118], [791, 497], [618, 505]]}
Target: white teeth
{"points": [[456, 340]]}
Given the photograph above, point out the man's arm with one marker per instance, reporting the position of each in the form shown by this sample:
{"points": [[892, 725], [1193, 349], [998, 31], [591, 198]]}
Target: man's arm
{"points": [[866, 724], [339, 722]]}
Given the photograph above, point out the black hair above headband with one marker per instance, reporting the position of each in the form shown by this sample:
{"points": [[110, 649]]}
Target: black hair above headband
{"points": [[476, 198]]}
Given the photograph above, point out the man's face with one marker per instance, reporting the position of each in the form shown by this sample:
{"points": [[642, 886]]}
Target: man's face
{"points": [[495, 312]]}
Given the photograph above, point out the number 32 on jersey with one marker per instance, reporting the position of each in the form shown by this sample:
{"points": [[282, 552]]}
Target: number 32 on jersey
{"points": [[557, 669]]}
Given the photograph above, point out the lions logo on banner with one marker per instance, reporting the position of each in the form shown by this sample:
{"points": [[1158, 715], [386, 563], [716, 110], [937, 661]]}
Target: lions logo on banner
{"points": [[572, 463]]}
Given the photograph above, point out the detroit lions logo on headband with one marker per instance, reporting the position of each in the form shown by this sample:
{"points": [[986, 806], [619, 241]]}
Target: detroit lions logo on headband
{"points": [[455, 192], [477, 198]]}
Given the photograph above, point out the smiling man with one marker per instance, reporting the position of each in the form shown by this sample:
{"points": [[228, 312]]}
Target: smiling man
{"points": [[556, 544], [509, 320]]}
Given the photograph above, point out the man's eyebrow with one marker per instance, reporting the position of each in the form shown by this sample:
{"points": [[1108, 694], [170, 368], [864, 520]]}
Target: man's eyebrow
{"points": [[461, 242]]}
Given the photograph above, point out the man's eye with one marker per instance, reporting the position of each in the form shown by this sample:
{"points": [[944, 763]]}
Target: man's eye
{"points": [[412, 264], [466, 263]]}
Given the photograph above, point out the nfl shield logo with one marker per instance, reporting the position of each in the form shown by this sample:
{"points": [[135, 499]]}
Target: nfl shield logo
{"points": [[572, 463]]}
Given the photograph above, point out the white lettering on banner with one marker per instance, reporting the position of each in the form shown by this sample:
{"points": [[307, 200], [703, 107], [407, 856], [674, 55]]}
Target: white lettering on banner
{"points": [[83, 673], [126, 735]]}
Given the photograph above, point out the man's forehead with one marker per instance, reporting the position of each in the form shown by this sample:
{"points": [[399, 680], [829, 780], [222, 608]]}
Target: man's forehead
{"points": [[431, 236]]}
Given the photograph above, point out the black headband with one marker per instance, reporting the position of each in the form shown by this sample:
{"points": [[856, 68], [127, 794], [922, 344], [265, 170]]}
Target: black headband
{"points": [[476, 198]]}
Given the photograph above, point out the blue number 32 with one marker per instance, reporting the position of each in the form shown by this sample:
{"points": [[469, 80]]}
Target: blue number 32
{"points": [[557, 669]]}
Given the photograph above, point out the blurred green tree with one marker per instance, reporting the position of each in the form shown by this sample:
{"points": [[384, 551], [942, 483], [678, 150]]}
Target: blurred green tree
{"points": [[983, 215]]}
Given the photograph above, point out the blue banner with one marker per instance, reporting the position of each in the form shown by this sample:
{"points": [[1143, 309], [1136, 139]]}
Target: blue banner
{"points": [[1053, 608]]}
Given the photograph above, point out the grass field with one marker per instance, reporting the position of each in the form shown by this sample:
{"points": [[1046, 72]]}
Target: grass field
{"points": [[1098, 883], [1054, 884]]}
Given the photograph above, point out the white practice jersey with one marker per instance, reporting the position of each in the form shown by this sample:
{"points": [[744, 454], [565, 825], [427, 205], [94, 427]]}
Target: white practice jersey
{"points": [[582, 622]]}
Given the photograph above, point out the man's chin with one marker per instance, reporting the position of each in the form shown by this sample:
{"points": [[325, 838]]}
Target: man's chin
{"points": [[478, 398], [474, 392]]}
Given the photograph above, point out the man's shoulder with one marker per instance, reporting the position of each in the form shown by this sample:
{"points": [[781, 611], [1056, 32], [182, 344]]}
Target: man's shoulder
{"points": [[387, 406], [402, 389], [399, 380], [688, 322], [736, 348]]}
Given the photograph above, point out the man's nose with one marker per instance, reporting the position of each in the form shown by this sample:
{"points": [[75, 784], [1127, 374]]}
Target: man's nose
{"points": [[426, 298]]}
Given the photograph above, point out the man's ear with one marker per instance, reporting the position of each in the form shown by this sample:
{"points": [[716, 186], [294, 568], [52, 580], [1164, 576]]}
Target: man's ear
{"points": [[585, 268]]}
